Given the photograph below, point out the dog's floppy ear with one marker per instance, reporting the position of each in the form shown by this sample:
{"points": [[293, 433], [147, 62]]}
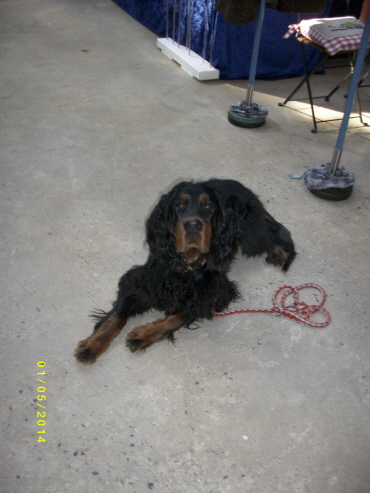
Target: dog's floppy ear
{"points": [[159, 225], [226, 235]]}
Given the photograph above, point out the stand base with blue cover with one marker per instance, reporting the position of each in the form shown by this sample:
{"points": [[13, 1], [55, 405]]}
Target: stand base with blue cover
{"points": [[330, 181]]}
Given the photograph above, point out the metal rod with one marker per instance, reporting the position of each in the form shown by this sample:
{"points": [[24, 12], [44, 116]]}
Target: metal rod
{"points": [[335, 160], [351, 95], [166, 19], [255, 51], [188, 30], [205, 37], [179, 28], [174, 20], [214, 19]]}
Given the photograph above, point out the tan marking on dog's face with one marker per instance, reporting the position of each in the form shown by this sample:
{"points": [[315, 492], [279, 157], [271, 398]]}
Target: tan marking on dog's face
{"points": [[192, 244]]}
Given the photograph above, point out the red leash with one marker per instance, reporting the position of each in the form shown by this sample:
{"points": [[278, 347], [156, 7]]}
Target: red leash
{"points": [[297, 310]]}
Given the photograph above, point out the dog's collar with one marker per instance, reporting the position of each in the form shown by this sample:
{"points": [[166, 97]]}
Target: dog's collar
{"points": [[198, 264]]}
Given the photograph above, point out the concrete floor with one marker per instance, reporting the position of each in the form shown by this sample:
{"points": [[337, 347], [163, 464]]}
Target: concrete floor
{"points": [[96, 123]]}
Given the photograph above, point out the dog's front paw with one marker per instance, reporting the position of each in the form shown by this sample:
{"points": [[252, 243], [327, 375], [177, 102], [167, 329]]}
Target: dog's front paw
{"points": [[276, 256], [84, 352], [140, 338], [144, 336], [136, 341]]}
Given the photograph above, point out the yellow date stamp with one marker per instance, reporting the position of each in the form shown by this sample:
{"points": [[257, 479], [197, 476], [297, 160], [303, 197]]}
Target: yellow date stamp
{"points": [[41, 398]]}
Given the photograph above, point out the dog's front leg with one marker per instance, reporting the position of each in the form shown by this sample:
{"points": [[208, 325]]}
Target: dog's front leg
{"points": [[89, 349], [143, 336], [108, 327]]}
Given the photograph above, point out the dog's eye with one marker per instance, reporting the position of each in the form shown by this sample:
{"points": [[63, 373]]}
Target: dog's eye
{"points": [[208, 207], [180, 206]]}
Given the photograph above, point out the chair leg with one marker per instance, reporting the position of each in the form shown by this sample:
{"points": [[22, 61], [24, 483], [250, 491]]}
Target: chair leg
{"points": [[343, 81], [305, 78], [362, 80], [360, 109], [314, 130], [346, 78]]}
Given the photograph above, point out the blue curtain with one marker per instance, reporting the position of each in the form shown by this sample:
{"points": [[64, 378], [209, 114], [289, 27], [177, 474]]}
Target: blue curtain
{"points": [[231, 50]]}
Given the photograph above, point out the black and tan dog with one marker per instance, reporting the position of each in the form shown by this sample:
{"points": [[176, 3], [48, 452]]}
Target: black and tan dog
{"points": [[193, 233]]}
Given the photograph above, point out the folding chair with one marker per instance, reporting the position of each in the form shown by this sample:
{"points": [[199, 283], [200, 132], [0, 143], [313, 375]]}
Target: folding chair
{"points": [[332, 36]]}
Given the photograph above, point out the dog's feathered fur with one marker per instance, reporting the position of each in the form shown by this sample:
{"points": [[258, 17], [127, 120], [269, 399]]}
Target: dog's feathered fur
{"points": [[193, 234]]}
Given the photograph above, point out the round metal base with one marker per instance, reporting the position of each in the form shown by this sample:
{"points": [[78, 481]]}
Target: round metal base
{"points": [[334, 193], [244, 121]]}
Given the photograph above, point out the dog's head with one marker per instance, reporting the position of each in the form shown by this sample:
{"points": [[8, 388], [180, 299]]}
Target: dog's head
{"points": [[192, 223], [194, 214]]}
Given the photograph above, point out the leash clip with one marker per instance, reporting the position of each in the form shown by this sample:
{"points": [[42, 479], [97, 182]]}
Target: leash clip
{"points": [[276, 311], [279, 310]]}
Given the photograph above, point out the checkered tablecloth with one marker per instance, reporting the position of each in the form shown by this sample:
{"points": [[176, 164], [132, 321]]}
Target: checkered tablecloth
{"points": [[333, 34]]}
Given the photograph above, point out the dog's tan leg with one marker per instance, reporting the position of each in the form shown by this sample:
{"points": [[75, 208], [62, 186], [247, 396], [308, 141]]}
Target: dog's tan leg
{"points": [[144, 336], [89, 349]]}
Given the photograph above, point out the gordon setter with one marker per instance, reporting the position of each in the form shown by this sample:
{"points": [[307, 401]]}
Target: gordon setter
{"points": [[193, 233]]}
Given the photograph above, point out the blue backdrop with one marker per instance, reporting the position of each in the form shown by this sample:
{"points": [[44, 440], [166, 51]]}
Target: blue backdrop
{"points": [[232, 46]]}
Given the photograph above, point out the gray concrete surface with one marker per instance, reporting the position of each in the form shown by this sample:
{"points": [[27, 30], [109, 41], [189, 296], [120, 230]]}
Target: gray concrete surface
{"points": [[95, 124]]}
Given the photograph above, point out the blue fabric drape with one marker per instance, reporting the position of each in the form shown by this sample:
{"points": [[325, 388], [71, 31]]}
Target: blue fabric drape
{"points": [[232, 50]]}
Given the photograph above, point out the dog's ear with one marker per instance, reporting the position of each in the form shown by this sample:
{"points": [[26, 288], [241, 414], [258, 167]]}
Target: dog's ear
{"points": [[159, 225], [226, 235]]}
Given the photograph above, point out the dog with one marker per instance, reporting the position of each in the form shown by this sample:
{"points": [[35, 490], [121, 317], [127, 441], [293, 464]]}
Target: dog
{"points": [[193, 234]]}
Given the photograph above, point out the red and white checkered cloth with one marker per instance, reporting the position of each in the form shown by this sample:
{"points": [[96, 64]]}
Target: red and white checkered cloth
{"points": [[334, 34]]}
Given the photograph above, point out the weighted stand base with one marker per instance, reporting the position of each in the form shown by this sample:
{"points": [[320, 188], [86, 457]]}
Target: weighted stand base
{"points": [[247, 115], [242, 121], [333, 193]]}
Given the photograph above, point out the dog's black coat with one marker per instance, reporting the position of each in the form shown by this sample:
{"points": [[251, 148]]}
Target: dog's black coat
{"points": [[193, 234]]}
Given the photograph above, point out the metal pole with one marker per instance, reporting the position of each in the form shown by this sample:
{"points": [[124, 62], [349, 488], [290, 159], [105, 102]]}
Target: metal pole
{"points": [[255, 51], [180, 20], [214, 19], [351, 96], [188, 34], [173, 21], [166, 19], [205, 31]]}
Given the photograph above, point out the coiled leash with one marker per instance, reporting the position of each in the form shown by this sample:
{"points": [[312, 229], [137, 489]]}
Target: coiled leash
{"points": [[296, 310]]}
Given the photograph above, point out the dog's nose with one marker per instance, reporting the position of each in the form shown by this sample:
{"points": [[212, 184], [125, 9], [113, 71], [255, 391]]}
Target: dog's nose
{"points": [[192, 225]]}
